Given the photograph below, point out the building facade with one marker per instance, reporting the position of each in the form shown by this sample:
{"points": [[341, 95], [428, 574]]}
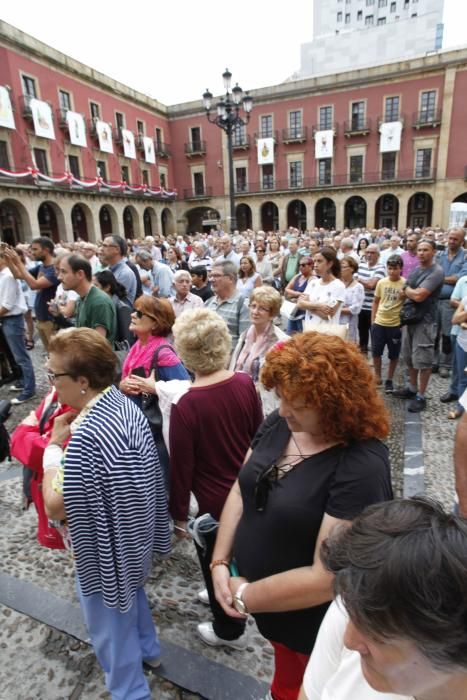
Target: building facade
{"points": [[362, 33], [381, 146]]}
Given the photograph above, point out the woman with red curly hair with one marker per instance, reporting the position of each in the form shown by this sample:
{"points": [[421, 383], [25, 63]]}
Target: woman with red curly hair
{"points": [[315, 463]]}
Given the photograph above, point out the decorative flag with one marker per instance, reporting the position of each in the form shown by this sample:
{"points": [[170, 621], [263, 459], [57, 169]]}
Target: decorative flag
{"points": [[324, 144], [76, 129], [42, 118], [265, 151], [149, 153], [128, 139], [7, 119], [104, 134], [390, 137]]}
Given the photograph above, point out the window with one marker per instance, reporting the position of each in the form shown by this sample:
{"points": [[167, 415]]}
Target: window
{"points": [[140, 128], [73, 165], [423, 162], [125, 173], [325, 118], [439, 36], [295, 124], [356, 169], [145, 177], [382, 3], [369, 20], [414, 14], [65, 100], [358, 116], [381, 20], [195, 133], [347, 18], [120, 122], [4, 160], [198, 182], [40, 156], [239, 135], [29, 86], [339, 16], [296, 173], [102, 169], [240, 179], [95, 110], [359, 15], [391, 109], [159, 138], [388, 166], [347, 2], [427, 106], [324, 171], [163, 180], [406, 4], [369, 3], [393, 7], [265, 126], [267, 177]]}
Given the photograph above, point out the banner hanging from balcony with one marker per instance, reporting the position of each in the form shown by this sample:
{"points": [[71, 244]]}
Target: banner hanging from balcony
{"points": [[128, 140], [104, 134], [42, 118], [7, 119], [324, 144], [76, 129], [149, 153], [265, 151], [390, 137]]}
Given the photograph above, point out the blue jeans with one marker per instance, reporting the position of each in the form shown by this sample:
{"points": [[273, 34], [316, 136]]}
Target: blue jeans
{"points": [[461, 365], [13, 329], [121, 641]]}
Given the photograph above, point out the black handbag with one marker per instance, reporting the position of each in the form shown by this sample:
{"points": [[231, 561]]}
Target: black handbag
{"points": [[150, 402]]}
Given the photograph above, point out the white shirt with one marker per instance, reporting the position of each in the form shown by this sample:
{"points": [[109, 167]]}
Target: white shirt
{"points": [[11, 294], [319, 293]]}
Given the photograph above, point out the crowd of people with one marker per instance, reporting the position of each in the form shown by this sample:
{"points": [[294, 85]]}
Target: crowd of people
{"points": [[186, 398]]}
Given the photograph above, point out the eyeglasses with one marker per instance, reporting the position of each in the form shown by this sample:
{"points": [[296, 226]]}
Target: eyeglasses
{"points": [[215, 276], [140, 314], [257, 307], [52, 376]]}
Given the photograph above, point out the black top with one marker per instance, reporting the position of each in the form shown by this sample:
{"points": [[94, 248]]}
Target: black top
{"points": [[340, 481], [204, 292]]}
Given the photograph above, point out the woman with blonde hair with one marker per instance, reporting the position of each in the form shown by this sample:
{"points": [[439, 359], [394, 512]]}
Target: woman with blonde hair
{"points": [[211, 427]]}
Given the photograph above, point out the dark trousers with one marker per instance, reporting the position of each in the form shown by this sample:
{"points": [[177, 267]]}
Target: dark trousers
{"points": [[224, 626], [364, 325]]}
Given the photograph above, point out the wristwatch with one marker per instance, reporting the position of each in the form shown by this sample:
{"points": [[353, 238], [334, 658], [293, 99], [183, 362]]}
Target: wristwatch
{"points": [[238, 603]]}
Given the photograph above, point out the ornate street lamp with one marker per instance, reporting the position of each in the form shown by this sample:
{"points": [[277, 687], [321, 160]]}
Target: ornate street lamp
{"points": [[228, 118]]}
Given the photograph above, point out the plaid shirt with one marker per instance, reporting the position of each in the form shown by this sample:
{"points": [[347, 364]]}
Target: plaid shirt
{"points": [[235, 313]]}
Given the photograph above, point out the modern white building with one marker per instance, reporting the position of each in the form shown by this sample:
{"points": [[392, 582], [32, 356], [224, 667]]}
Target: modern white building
{"points": [[357, 33]]}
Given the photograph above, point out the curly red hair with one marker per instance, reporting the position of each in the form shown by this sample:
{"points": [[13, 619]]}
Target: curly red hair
{"points": [[330, 375]]}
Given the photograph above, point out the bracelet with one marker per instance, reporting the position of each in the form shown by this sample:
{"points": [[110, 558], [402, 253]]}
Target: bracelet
{"points": [[218, 562], [180, 529]]}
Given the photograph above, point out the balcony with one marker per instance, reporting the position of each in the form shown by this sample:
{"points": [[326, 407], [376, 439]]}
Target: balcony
{"points": [[25, 105], [61, 113], [296, 135], [241, 187], [357, 127], [92, 127], [383, 119], [198, 193], [240, 143], [267, 134], [334, 126], [195, 148], [163, 149], [139, 142], [426, 118], [117, 135]]}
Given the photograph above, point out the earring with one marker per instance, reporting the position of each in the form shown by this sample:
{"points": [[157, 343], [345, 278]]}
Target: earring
{"points": [[83, 391]]}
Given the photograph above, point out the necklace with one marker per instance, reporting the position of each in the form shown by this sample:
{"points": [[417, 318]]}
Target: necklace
{"points": [[284, 466]]}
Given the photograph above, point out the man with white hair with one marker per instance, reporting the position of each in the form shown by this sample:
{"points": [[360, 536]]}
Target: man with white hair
{"points": [[199, 256], [347, 248], [394, 249], [228, 253], [184, 300]]}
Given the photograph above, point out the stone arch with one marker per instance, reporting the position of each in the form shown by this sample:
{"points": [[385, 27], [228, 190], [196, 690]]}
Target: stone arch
{"points": [[355, 212], [387, 211], [82, 222], [51, 220], [131, 222], [201, 219], [458, 212], [325, 213], [296, 214], [269, 216], [150, 221], [419, 210], [168, 226], [15, 223], [108, 220], [244, 216]]}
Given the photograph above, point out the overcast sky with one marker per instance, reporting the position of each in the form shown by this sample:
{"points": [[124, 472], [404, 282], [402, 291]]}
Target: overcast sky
{"points": [[174, 51]]}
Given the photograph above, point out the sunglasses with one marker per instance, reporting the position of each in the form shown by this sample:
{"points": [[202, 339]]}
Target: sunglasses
{"points": [[140, 314]]}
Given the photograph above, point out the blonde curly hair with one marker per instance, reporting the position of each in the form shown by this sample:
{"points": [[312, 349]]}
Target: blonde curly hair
{"points": [[202, 340]]}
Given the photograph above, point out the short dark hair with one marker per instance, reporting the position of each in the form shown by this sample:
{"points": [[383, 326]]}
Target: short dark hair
{"points": [[106, 278], [77, 263], [201, 271], [395, 261], [401, 570], [427, 240], [45, 242]]}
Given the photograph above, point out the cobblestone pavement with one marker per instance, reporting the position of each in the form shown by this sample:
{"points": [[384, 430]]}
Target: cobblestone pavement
{"points": [[42, 663]]}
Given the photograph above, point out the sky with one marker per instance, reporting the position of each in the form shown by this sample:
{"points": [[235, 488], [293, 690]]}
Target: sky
{"points": [[174, 51]]}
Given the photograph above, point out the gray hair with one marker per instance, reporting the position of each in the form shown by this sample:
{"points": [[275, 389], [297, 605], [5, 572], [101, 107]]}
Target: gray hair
{"points": [[144, 255], [181, 273], [228, 269]]}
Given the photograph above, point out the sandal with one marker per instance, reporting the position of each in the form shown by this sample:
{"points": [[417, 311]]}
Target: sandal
{"points": [[454, 415]]}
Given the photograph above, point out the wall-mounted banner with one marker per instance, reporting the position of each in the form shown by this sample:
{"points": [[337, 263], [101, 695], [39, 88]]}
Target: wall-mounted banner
{"points": [[7, 119], [149, 153], [104, 134], [128, 139], [390, 137], [265, 151], [42, 118], [324, 144], [76, 129]]}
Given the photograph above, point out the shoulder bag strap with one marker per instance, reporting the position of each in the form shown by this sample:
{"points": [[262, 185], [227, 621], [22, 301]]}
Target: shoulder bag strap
{"points": [[156, 356]]}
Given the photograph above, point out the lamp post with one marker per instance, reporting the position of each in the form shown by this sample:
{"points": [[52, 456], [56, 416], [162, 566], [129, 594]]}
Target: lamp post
{"points": [[228, 118]]}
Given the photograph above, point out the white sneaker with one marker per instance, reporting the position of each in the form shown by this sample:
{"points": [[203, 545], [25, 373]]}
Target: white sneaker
{"points": [[207, 634], [203, 596]]}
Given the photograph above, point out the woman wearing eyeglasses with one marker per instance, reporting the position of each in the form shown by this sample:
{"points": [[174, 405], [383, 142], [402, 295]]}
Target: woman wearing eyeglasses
{"points": [[315, 463]]}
